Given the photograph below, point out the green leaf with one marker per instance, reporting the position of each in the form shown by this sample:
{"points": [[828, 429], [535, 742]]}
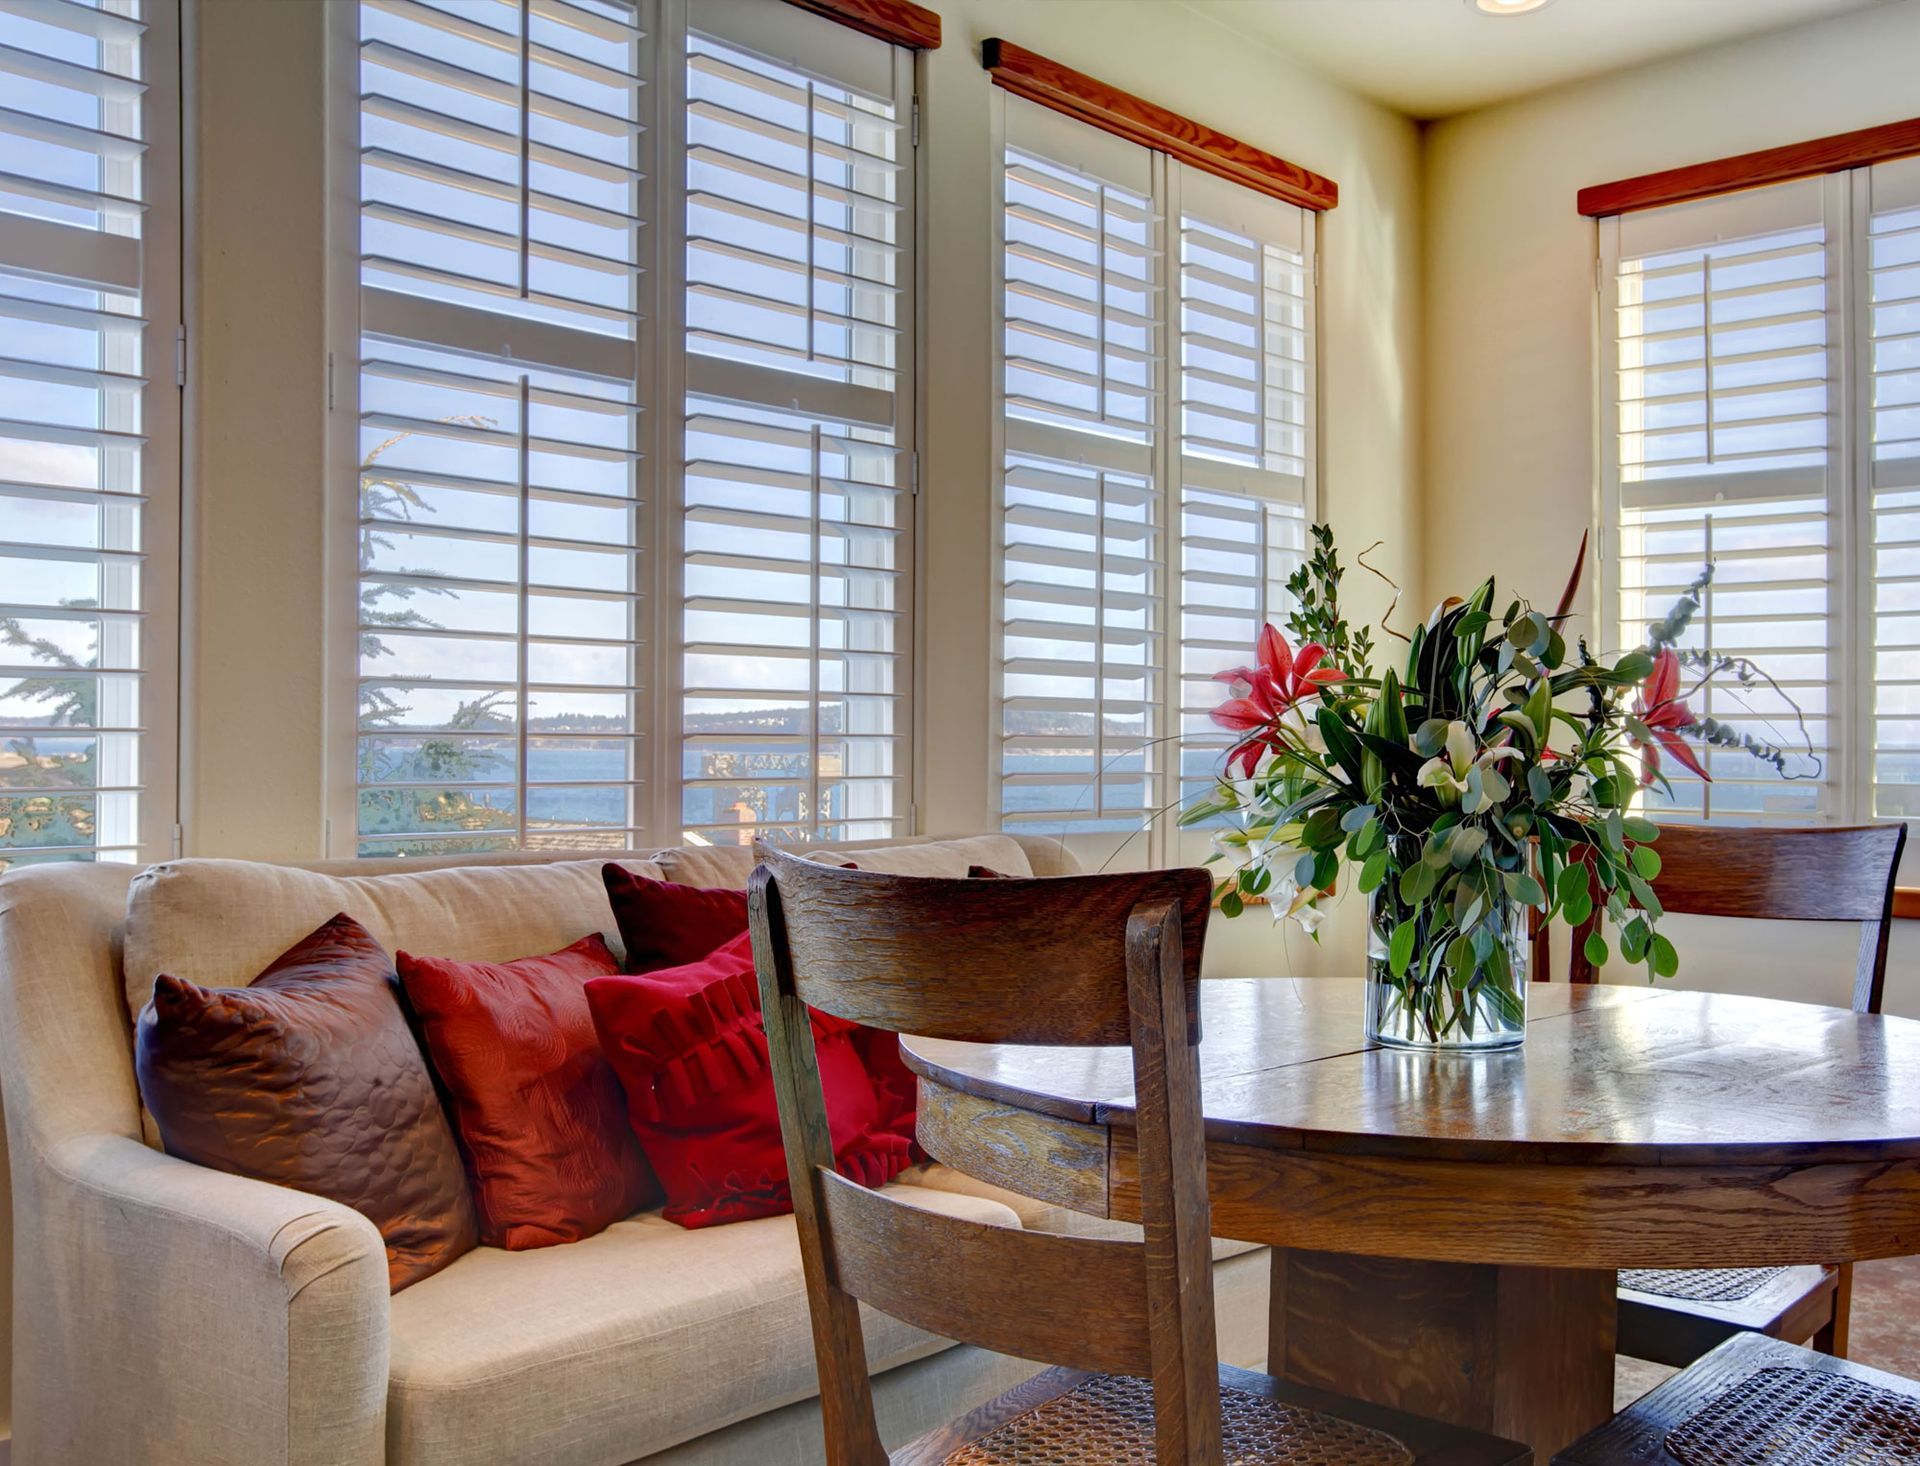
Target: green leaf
{"points": [[1633, 667], [1634, 937], [1430, 737], [1523, 888], [1466, 846], [1231, 904], [1539, 785], [1322, 829], [1416, 882], [1578, 909], [1326, 865], [1644, 897], [1355, 817], [1303, 869], [1400, 948], [1596, 948], [1342, 745], [1646, 860], [1572, 883], [1666, 961], [1373, 872], [1640, 830], [1460, 962]]}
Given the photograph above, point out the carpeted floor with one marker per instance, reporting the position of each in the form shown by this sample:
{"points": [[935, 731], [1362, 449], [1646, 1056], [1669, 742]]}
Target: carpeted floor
{"points": [[1886, 1329]]}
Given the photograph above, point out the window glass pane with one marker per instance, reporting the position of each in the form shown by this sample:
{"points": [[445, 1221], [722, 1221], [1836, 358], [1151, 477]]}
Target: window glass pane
{"points": [[73, 390], [500, 492], [795, 501]]}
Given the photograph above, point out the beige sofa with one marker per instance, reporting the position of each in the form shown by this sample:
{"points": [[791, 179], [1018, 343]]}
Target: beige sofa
{"points": [[166, 1313]]}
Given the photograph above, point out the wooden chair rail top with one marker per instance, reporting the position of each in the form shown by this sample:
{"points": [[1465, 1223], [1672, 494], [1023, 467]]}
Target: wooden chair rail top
{"points": [[1906, 903], [1611, 1075]]}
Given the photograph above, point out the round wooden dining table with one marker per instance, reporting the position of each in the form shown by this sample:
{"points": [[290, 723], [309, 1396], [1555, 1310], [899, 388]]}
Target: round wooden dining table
{"points": [[1451, 1224]]}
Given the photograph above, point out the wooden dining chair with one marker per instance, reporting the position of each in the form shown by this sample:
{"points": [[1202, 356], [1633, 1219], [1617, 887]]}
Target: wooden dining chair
{"points": [[1074, 960], [1840, 874]]}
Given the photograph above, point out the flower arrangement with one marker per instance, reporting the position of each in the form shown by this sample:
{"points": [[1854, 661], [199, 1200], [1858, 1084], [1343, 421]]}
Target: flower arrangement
{"points": [[1491, 774]]}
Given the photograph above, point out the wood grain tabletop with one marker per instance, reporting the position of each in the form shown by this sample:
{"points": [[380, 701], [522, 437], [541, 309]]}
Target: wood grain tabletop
{"points": [[1620, 1075]]}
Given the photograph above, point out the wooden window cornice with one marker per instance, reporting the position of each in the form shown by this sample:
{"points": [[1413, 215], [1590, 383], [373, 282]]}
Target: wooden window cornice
{"points": [[899, 21], [1034, 77], [1753, 170]]}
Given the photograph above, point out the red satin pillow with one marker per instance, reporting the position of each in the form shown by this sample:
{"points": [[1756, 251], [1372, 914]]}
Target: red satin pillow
{"points": [[688, 1045], [538, 1110]]}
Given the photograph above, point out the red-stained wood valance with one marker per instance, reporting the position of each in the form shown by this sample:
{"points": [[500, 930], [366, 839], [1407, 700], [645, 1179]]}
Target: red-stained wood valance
{"points": [[899, 21], [1049, 83], [1752, 170]]}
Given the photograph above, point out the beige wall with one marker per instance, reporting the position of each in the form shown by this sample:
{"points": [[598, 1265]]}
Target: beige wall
{"points": [[251, 704], [1509, 287], [1509, 269]]}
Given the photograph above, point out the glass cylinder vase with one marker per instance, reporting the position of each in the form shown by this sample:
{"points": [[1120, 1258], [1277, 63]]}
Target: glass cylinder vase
{"points": [[1449, 994]]}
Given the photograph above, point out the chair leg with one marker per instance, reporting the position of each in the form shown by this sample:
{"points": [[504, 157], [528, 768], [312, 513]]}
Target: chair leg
{"points": [[1832, 1339]]}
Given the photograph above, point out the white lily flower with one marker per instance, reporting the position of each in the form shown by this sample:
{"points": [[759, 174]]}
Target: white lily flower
{"points": [[1447, 771]]}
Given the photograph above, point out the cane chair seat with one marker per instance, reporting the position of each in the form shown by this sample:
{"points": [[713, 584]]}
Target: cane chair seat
{"points": [[1756, 1401], [1068, 1418], [1700, 1284]]}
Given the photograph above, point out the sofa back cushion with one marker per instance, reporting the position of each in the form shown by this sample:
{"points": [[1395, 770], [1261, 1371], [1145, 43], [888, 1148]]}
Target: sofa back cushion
{"points": [[730, 865], [223, 921]]}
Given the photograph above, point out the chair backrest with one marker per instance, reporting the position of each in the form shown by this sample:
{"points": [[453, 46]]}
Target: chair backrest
{"points": [[1840, 873], [1072, 960]]}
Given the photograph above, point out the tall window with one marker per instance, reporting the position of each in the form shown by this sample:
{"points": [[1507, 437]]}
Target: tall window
{"points": [[1761, 386], [1157, 391], [89, 429], [619, 583], [795, 506]]}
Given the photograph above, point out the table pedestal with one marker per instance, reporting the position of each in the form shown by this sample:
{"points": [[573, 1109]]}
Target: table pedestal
{"points": [[1526, 1353]]}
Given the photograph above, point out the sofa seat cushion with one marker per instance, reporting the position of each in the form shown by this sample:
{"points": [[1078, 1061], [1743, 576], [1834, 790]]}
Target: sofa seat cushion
{"points": [[607, 1350]]}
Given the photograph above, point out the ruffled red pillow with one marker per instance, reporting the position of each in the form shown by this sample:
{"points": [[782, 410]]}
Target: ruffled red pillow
{"points": [[539, 1113], [668, 925], [688, 1045]]}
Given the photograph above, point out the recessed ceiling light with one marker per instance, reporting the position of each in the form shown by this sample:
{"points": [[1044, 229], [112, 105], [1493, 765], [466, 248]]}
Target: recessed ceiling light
{"points": [[1508, 7]]}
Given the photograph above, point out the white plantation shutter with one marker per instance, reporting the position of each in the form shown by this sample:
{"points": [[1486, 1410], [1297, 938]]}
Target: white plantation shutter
{"points": [[1723, 380], [1245, 348], [1082, 527], [1158, 474], [1890, 466], [89, 428], [795, 516], [503, 159]]}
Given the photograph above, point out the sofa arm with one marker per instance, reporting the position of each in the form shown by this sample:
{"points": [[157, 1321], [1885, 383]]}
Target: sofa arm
{"points": [[193, 1316]]}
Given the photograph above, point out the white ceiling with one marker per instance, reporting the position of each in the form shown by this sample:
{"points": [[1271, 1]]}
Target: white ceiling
{"points": [[1433, 58]]}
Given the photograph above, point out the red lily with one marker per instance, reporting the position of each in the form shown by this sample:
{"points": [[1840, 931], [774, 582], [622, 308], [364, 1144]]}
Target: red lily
{"points": [[1282, 678], [1658, 705]]}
